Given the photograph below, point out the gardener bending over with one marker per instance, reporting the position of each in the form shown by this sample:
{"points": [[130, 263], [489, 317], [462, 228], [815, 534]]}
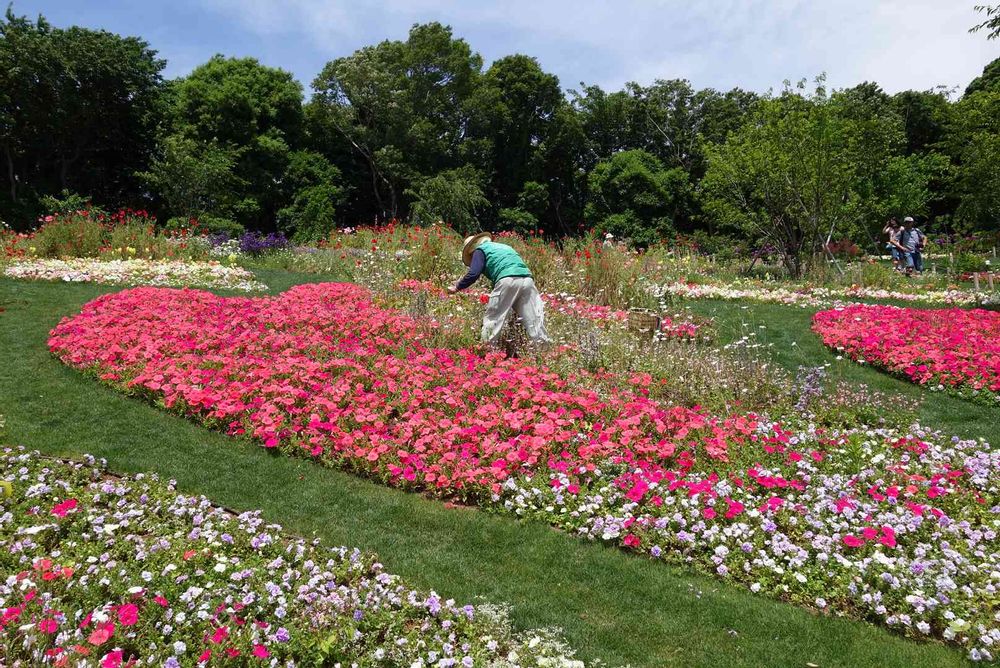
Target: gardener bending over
{"points": [[513, 287]]}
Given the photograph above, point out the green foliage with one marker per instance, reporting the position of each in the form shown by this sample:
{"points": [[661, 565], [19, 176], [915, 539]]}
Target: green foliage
{"points": [[245, 120], [967, 263], [310, 216], [78, 111], [633, 197], [989, 80], [194, 178], [905, 185], [400, 106], [453, 196], [975, 141], [512, 116], [67, 201], [926, 116], [808, 167], [518, 220], [205, 224], [313, 186], [992, 23], [395, 129], [69, 235]]}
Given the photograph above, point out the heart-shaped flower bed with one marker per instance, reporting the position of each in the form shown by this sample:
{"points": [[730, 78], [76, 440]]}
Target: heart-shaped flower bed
{"points": [[323, 371], [954, 349]]}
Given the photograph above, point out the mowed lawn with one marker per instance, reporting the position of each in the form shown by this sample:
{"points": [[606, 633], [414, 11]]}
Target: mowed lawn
{"points": [[611, 605]]}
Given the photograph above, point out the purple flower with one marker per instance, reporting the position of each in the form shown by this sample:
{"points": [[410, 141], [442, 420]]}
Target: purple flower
{"points": [[253, 243]]}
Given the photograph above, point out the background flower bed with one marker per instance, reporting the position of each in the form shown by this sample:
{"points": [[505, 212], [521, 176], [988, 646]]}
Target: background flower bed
{"points": [[109, 572], [816, 296], [173, 273], [902, 522], [952, 349]]}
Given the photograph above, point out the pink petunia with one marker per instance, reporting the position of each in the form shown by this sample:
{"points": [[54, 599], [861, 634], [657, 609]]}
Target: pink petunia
{"points": [[128, 614]]}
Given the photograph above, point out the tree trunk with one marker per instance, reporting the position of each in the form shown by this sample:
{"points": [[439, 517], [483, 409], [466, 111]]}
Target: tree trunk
{"points": [[10, 173]]}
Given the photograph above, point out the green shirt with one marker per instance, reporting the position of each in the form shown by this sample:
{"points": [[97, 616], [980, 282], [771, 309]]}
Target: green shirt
{"points": [[502, 261]]}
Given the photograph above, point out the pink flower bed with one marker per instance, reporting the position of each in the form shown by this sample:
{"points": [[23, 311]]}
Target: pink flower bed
{"points": [[953, 349], [898, 526], [323, 371]]}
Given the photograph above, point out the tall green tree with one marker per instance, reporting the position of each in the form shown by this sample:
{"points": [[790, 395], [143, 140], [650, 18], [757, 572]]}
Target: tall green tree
{"points": [[401, 107], [454, 196], [611, 122], [253, 114], [988, 80], [807, 167], [194, 178], [926, 116], [634, 197], [563, 162], [314, 190], [975, 142], [511, 116], [78, 112]]}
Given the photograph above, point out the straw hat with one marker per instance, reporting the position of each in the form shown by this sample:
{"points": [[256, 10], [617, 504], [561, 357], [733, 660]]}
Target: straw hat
{"points": [[471, 243]]}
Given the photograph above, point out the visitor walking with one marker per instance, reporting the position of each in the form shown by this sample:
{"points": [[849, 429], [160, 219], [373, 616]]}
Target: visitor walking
{"points": [[892, 232], [513, 287], [912, 241]]}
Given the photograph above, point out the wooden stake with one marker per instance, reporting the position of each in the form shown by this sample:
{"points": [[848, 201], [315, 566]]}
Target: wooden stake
{"points": [[989, 277], [975, 279]]}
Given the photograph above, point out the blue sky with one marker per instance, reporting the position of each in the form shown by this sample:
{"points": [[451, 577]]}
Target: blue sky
{"points": [[754, 44]]}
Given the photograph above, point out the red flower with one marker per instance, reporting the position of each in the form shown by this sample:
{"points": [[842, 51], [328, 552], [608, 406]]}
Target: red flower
{"points": [[220, 634], [101, 634], [112, 659], [851, 540], [60, 509], [128, 614]]}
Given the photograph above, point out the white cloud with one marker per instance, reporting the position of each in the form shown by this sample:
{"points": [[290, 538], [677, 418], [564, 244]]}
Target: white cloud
{"points": [[754, 44]]}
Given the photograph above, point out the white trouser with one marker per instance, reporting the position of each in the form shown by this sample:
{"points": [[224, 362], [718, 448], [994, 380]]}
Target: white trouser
{"points": [[520, 294]]}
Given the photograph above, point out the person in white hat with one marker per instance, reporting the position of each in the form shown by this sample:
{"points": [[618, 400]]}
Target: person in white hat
{"points": [[513, 287], [912, 241]]}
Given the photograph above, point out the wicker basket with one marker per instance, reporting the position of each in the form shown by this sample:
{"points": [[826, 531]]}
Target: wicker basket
{"points": [[643, 321]]}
